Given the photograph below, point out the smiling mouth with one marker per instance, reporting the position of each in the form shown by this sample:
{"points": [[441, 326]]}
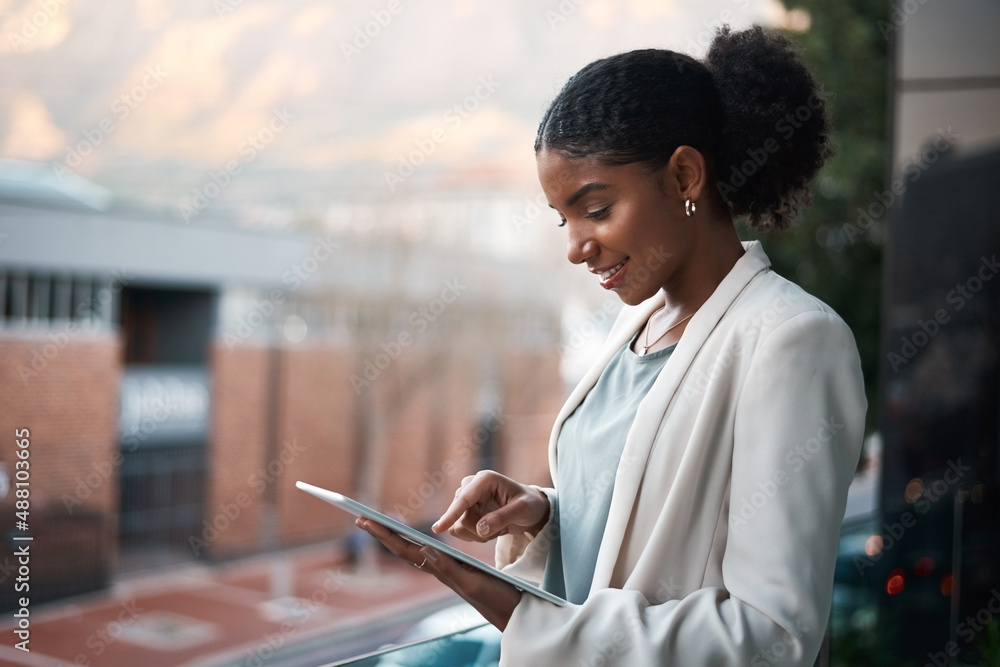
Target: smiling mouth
{"points": [[608, 277], [613, 270]]}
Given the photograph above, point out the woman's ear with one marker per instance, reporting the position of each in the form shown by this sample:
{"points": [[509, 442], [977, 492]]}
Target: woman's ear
{"points": [[687, 173]]}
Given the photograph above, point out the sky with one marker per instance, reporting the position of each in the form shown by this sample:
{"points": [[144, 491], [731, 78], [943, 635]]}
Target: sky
{"points": [[300, 103]]}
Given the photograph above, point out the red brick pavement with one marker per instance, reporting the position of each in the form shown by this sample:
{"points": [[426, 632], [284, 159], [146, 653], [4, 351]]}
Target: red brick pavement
{"points": [[202, 616]]}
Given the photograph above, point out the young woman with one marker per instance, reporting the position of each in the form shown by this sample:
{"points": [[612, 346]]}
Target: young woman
{"points": [[701, 467]]}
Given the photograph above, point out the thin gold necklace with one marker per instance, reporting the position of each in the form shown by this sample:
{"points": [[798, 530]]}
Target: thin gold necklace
{"points": [[645, 348]]}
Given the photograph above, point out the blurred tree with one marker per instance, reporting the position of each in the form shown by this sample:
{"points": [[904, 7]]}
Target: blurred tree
{"points": [[832, 251]]}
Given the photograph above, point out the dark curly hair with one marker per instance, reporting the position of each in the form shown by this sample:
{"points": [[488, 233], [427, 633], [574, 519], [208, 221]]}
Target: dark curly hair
{"points": [[752, 108]]}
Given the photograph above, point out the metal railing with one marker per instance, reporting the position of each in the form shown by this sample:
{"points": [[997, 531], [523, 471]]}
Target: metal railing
{"points": [[478, 646]]}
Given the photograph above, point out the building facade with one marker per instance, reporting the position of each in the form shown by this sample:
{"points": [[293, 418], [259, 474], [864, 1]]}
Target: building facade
{"points": [[176, 381]]}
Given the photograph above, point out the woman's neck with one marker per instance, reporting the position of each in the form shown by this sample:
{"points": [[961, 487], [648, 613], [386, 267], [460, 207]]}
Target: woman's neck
{"points": [[715, 254]]}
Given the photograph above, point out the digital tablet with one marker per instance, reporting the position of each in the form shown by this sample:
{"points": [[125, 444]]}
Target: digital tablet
{"points": [[415, 536]]}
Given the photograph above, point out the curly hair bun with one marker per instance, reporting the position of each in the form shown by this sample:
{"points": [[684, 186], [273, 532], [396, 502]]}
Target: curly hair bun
{"points": [[775, 127]]}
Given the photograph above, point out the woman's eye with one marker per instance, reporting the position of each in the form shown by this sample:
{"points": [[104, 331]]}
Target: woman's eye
{"points": [[601, 214]]}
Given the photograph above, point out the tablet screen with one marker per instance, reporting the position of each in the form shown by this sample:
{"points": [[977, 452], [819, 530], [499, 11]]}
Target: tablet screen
{"points": [[415, 536]]}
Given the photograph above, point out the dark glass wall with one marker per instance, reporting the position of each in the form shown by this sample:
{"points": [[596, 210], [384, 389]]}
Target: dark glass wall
{"points": [[935, 559]]}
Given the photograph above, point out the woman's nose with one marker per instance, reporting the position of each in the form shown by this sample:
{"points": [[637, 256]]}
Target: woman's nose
{"points": [[580, 246]]}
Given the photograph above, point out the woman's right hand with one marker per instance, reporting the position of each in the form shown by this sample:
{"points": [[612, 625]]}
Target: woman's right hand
{"points": [[489, 505]]}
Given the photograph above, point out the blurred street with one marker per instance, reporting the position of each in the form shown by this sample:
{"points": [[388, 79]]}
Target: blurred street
{"points": [[297, 607]]}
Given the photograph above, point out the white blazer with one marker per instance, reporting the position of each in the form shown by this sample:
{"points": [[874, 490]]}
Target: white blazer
{"points": [[726, 509]]}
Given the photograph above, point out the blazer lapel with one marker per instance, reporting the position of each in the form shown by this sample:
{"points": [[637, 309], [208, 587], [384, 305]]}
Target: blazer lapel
{"points": [[649, 418]]}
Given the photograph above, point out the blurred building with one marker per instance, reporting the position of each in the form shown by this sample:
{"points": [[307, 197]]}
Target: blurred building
{"points": [[935, 559], [178, 379]]}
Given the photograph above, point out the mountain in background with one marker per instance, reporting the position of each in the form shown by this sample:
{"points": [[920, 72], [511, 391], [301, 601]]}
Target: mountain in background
{"points": [[288, 106]]}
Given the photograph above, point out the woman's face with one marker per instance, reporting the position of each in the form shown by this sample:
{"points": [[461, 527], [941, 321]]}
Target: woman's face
{"points": [[620, 222]]}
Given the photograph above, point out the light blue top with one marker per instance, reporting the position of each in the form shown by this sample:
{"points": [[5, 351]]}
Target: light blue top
{"points": [[588, 451]]}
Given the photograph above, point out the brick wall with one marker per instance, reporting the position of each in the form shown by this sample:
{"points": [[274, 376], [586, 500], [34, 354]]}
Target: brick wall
{"points": [[313, 403], [65, 390], [428, 449], [428, 401], [457, 454], [317, 435], [70, 404], [239, 378], [533, 394]]}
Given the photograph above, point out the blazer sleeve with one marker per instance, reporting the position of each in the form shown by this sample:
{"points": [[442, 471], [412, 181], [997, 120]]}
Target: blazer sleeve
{"points": [[798, 429], [525, 555]]}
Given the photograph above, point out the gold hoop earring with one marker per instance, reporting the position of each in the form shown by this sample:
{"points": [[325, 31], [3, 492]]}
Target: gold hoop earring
{"points": [[689, 207]]}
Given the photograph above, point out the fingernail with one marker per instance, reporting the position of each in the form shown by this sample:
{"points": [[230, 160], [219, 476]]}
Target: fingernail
{"points": [[430, 555], [483, 528]]}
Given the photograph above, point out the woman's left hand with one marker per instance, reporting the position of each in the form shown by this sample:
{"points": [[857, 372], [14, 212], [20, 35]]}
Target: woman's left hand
{"points": [[492, 598]]}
